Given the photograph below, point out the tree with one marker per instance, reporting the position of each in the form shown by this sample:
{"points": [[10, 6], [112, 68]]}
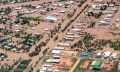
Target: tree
{"points": [[92, 24], [25, 21], [8, 10], [17, 21], [97, 15], [82, 1], [103, 7]]}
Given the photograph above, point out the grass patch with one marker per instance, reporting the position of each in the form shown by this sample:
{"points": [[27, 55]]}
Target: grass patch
{"points": [[78, 69]]}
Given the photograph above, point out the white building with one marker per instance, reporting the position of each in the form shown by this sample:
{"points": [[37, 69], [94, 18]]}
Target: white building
{"points": [[64, 44], [56, 52], [53, 61], [59, 48], [99, 54], [51, 18], [114, 55], [104, 22], [107, 54]]}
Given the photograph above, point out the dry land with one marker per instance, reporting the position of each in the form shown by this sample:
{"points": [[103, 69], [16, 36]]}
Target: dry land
{"points": [[54, 35]]}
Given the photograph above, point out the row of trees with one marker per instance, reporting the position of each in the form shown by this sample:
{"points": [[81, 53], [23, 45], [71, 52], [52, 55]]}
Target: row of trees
{"points": [[115, 45], [6, 10], [22, 66], [70, 15], [9, 67], [37, 49], [71, 21], [81, 2], [55, 30], [30, 40], [89, 43]]}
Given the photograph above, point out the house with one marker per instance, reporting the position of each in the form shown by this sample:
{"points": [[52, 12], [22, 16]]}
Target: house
{"points": [[32, 11], [56, 14], [109, 15], [114, 55], [56, 56], [49, 70], [70, 33], [56, 52], [42, 11], [111, 5], [117, 26], [59, 48], [99, 54], [98, 0], [67, 38], [84, 54], [44, 69], [51, 18], [37, 6], [76, 30], [107, 54], [103, 22], [107, 18], [52, 61], [117, 20], [48, 64], [63, 44], [56, 70], [62, 11], [107, 12], [18, 8]]}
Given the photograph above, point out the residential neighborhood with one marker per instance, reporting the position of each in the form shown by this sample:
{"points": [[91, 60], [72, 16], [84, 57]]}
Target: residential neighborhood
{"points": [[59, 36]]}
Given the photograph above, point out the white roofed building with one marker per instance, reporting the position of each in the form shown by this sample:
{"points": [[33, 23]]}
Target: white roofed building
{"points": [[107, 54], [99, 54], [51, 18], [56, 51], [59, 48], [114, 55], [63, 44], [53, 60]]}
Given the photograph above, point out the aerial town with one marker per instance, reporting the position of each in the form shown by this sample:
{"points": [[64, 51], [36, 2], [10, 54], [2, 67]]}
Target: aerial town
{"points": [[59, 35]]}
